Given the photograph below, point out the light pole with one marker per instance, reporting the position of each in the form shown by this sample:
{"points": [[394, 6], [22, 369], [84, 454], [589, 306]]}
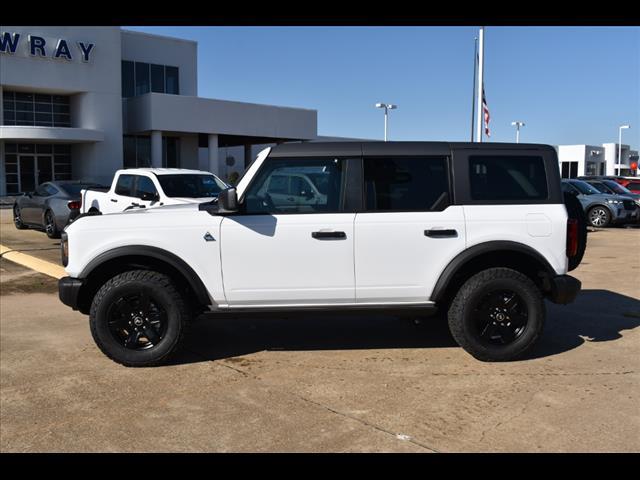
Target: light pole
{"points": [[517, 124], [622, 127], [386, 107]]}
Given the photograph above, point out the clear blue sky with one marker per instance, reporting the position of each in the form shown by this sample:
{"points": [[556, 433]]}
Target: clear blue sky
{"points": [[569, 85]]}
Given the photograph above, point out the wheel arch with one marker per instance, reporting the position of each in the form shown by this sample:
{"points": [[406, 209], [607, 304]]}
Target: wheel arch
{"points": [[517, 256], [121, 259]]}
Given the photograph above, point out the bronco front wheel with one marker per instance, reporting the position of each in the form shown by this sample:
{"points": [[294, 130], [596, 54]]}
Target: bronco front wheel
{"points": [[138, 318]]}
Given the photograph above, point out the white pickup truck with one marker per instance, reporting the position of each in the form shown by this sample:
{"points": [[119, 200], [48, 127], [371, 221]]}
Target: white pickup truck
{"points": [[152, 187]]}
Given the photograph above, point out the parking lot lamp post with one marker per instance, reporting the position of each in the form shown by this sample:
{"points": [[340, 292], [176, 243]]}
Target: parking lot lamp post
{"points": [[620, 146], [517, 124], [386, 107]]}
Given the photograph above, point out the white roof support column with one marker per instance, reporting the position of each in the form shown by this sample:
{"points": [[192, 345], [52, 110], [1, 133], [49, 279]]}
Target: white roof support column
{"points": [[214, 165], [156, 149]]}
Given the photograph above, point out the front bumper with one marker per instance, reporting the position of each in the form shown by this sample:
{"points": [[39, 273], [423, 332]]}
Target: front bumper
{"points": [[68, 291], [564, 289]]}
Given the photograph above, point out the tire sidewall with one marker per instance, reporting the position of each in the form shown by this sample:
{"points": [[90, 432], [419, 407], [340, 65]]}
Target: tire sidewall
{"points": [[54, 229], [18, 224], [535, 318], [115, 349]]}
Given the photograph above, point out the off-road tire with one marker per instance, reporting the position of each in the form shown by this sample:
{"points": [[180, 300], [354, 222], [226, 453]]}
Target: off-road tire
{"points": [[162, 290], [575, 211], [17, 219], [461, 316]]}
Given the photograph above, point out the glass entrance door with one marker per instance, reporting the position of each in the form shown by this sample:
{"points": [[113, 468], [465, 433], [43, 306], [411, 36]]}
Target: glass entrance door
{"points": [[27, 168], [44, 172]]}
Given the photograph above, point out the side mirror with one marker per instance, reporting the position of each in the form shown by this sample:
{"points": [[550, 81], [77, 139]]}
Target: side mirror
{"points": [[228, 200], [148, 196]]}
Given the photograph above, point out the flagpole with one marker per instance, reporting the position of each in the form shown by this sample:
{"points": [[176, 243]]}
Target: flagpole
{"points": [[480, 83], [473, 99]]}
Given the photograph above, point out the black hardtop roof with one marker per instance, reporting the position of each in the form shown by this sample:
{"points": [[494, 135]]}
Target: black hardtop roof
{"points": [[393, 148]]}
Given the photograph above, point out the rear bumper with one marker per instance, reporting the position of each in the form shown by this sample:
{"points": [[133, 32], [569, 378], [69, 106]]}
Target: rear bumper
{"points": [[564, 289], [68, 291]]}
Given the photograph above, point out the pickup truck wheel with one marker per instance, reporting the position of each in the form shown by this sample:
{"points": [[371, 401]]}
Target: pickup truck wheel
{"points": [[497, 315], [138, 318]]}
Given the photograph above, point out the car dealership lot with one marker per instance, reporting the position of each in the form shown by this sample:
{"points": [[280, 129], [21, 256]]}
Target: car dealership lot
{"points": [[325, 384]]}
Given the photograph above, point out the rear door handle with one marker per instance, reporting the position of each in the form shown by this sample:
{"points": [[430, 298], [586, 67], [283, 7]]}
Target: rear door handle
{"points": [[324, 235], [441, 233]]}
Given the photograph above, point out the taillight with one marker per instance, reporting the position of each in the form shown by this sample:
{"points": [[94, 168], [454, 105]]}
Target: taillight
{"points": [[572, 237], [75, 205]]}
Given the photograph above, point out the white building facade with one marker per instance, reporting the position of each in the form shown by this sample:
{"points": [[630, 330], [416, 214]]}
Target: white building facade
{"points": [[82, 102], [584, 160]]}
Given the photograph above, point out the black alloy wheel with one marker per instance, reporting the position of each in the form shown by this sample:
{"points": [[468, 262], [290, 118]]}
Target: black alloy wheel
{"points": [[500, 317], [136, 321]]}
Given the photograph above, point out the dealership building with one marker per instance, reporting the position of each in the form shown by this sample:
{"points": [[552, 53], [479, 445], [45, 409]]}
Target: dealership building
{"points": [[82, 102], [578, 160]]}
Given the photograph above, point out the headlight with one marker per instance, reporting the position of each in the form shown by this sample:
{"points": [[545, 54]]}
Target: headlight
{"points": [[617, 202]]}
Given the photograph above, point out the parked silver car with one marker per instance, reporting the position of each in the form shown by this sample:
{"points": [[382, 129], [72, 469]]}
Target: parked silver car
{"points": [[50, 207]]}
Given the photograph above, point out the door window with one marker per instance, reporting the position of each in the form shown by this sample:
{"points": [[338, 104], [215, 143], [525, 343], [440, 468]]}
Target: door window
{"points": [[145, 186], [284, 186], [406, 184], [124, 186]]}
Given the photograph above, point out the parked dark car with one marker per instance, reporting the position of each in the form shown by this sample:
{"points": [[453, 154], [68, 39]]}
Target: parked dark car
{"points": [[51, 207], [602, 209], [614, 188]]}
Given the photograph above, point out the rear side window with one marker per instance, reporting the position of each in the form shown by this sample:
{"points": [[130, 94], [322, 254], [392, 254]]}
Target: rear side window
{"points": [[507, 177], [406, 183], [125, 185]]}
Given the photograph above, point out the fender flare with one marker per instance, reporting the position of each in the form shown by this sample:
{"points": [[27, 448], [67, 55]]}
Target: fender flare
{"points": [[475, 251], [156, 253]]}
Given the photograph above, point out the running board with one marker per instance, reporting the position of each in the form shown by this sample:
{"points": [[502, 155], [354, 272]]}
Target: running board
{"points": [[422, 309]]}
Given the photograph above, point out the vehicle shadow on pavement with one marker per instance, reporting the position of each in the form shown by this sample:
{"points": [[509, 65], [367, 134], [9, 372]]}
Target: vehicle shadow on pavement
{"points": [[596, 316], [213, 339]]}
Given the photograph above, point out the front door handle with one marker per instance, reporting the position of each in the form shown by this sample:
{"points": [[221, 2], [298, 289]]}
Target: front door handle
{"points": [[114, 200], [325, 235], [441, 233]]}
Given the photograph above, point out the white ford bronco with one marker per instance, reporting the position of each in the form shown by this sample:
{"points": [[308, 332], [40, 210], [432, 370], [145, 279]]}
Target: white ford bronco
{"points": [[478, 231]]}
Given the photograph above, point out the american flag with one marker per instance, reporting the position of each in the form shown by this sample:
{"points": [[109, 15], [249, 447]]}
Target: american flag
{"points": [[485, 112]]}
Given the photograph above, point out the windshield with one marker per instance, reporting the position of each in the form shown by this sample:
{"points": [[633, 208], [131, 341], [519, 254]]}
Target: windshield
{"points": [[191, 185], [584, 187], [616, 187]]}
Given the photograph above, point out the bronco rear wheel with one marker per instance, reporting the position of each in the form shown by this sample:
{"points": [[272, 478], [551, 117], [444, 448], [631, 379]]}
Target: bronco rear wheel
{"points": [[138, 318], [497, 315]]}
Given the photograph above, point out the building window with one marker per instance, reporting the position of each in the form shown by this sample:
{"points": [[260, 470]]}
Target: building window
{"points": [[128, 82], [170, 152], [142, 78], [35, 109], [172, 83], [139, 78], [136, 151]]}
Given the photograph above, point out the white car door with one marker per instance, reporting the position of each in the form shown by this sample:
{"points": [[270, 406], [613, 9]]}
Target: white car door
{"points": [[275, 253], [408, 232]]}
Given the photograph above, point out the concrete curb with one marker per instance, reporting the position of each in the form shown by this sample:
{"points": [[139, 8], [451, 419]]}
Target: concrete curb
{"points": [[37, 264]]}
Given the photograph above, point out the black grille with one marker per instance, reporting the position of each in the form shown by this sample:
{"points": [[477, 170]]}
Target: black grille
{"points": [[629, 204]]}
